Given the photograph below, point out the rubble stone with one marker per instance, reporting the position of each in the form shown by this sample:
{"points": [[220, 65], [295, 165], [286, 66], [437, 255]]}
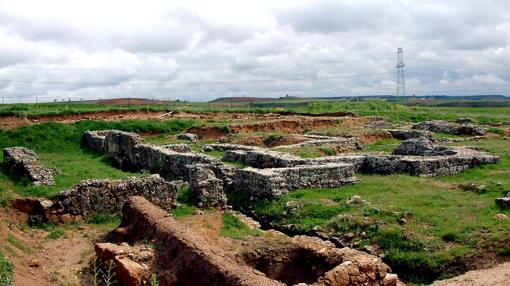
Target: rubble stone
{"points": [[450, 128], [179, 148], [24, 162], [188, 136], [422, 147], [263, 158], [205, 187], [274, 182], [108, 196], [504, 202], [403, 134]]}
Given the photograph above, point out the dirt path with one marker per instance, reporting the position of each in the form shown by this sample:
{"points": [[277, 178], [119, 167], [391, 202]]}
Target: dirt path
{"points": [[38, 260], [496, 276]]}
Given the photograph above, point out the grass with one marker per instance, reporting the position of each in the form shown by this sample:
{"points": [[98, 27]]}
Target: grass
{"points": [[56, 234], [58, 146], [18, 244], [234, 228], [443, 222], [6, 270], [370, 107]]}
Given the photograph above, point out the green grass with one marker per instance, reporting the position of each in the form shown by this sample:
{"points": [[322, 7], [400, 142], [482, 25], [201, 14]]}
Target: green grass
{"points": [[58, 146], [6, 270], [370, 107], [443, 221], [18, 244], [386, 145], [234, 228], [56, 234]]}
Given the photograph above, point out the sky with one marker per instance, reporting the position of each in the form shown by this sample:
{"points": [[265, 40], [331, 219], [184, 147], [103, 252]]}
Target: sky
{"points": [[200, 50]]}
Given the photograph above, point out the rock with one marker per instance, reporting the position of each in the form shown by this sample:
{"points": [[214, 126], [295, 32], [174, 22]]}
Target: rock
{"points": [[35, 263], [24, 162], [207, 148], [179, 148], [390, 279], [198, 212], [188, 136], [503, 203], [108, 251], [422, 147], [409, 134], [356, 200], [501, 216], [450, 128], [129, 272]]}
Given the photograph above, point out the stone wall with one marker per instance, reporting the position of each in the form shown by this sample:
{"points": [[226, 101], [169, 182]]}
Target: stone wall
{"points": [[179, 148], [108, 196], [345, 143], [206, 188], [404, 134], [450, 128], [129, 153], [274, 182], [423, 147], [24, 162], [262, 158]]}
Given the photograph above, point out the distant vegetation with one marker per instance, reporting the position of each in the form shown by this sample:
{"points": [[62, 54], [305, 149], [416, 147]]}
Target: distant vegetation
{"points": [[484, 109]]}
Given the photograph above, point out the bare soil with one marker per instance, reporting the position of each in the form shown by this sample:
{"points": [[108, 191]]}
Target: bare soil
{"points": [[47, 262], [496, 276]]}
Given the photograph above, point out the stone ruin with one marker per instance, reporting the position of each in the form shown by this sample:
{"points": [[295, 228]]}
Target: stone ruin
{"points": [[455, 128], [24, 162], [180, 257], [504, 202], [275, 182], [91, 197], [130, 153], [345, 143], [206, 188], [271, 173]]}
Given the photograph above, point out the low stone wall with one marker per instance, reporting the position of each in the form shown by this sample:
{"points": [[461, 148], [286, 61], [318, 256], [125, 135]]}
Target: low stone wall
{"points": [[108, 196], [179, 148], [262, 158], [450, 128], [24, 162], [349, 143], [423, 147], [129, 153], [274, 182], [404, 134], [463, 159]]}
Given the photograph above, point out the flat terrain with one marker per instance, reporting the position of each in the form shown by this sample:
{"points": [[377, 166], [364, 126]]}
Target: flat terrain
{"points": [[426, 228]]}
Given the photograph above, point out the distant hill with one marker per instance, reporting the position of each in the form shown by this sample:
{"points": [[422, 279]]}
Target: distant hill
{"points": [[389, 97], [128, 101]]}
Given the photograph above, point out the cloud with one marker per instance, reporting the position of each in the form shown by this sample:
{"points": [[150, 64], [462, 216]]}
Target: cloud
{"points": [[199, 50]]}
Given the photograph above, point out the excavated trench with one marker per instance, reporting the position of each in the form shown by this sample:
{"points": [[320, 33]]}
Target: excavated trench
{"points": [[290, 264]]}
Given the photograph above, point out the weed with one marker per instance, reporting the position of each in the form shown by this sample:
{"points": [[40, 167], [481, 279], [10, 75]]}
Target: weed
{"points": [[103, 218], [6, 270], [18, 244], [183, 211], [56, 234], [233, 227]]}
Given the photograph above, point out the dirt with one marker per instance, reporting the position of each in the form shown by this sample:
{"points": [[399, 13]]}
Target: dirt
{"points": [[209, 132], [496, 276], [54, 262]]}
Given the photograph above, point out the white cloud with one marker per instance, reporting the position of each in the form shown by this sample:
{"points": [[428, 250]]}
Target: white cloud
{"points": [[203, 49]]}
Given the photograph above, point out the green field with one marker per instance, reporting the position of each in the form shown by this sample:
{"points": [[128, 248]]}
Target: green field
{"points": [[423, 225]]}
